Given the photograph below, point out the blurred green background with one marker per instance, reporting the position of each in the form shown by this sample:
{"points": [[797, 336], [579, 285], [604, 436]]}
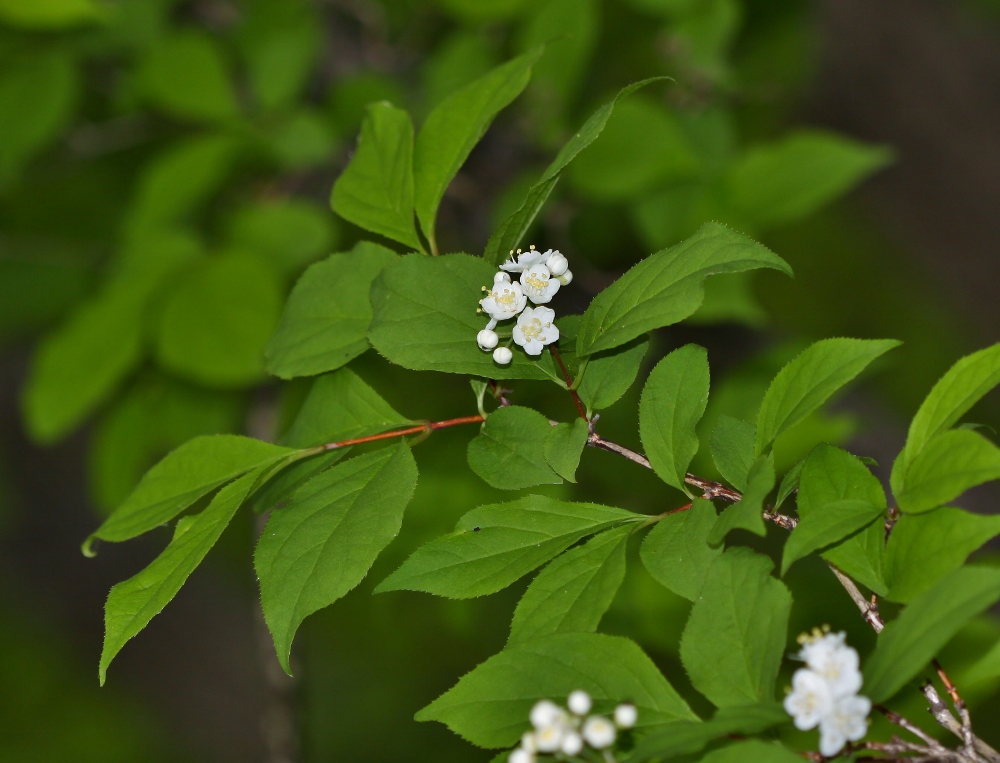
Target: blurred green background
{"points": [[165, 167]]}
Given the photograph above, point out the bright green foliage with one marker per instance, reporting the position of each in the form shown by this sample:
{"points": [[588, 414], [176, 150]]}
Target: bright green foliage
{"points": [[789, 483], [564, 445], [732, 449], [489, 706], [948, 465], [747, 513], [376, 190], [509, 452], [956, 392], [732, 653], [340, 406], [808, 381], [134, 602], [456, 125], [830, 475], [50, 14], [188, 473], [923, 548], [668, 286], [676, 551], [216, 322], [777, 184], [673, 402], [608, 375], [322, 544], [574, 590], [910, 641], [327, 314], [494, 545], [756, 750], [289, 234], [829, 524]]}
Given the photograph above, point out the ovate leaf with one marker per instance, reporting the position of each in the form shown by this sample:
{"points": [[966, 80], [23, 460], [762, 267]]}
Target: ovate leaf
{"points": [[673, 402], [756, 750], [608, 375], [490, 706], [948, 465], [322, 544], [509, 452], [676, 550], [732, 449], [667, 287], [789, 483], [564, 446], [829, 524], [747, 514]]}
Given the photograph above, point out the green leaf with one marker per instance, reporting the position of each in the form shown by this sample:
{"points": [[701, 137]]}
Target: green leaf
{"points": [[830, 524], [673, 402], [375, 192], [732, 449], [948, 465], [134, 602], [456, 125], [564, 445], [185, 76], [490, 705], [731, 653], [574, 591], [509, 451], [789, 483], [340, 406], [668, 286], [328, 313], [280, 42], [773, 185], [810, 379], [910, 641], [50, 14], [676, 550], [609, 375], [289, 233], [956, 392], [193, 470], [494, 545], [923, 548], [747, 514], [322, 544], [756, 750]]}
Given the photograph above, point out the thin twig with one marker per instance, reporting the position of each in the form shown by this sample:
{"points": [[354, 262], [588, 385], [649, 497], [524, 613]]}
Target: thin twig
{"points": [[869, 611], [960, 708], [910, 726], [569, 382], [424, 428]]}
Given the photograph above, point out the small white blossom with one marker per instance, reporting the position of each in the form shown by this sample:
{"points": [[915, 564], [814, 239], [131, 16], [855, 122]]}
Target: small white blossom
{"points": [[487, 339], [502, 355], [846, 722], [545, 713], [504, 300], [599, 732], [572, 743], [535, 329], [829, 656], [550, 738], [521, 756], [538, 284], [501, 277], [525, 260], [579, 702], [626, 715], [528, 742], [810, 699], [556, 262], [566, 278]]}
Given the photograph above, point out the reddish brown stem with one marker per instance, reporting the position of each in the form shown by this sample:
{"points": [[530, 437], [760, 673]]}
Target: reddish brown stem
{"points": [[430, 426], [569, 383]]}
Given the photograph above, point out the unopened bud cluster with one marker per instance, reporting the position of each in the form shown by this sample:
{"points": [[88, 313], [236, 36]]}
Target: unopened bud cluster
{"points": [[567, 731], [542, 273]]}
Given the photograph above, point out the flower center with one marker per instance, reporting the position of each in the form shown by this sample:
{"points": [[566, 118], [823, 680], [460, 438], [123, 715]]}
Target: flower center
{"points": [[537, 281], [533, 329], [505, 297]]}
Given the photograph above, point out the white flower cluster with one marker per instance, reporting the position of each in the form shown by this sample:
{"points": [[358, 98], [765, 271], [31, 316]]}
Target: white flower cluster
{"points": [[825, 692], [542, 273], [566, 732]]}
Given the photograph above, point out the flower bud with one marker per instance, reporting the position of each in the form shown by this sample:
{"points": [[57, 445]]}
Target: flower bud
{"points": [[557, 263], [572, 744], [487, 339], [521, 756], [566, 278], [626, 715], [579, 702], [528, 742], [501, 277], [545, 712], [599, 732], [503, 355]]}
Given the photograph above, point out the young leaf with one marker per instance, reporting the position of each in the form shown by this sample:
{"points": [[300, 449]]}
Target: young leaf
{"points": [[327, 314], [509, 452], [193, 470], [757, 750], [732, 449], [322, 544], [608, 375], [490, 705], [826, 526], [948, 465], [748, 513], [668, 286], [134, 602], [731, 653], [910, 641], [673, 402], [456, 125], [494, 545], [375, 192], [564, 446], [958, 390], [789, 483], [676, 550], [574, 591], [810, 379], [923, 548]]}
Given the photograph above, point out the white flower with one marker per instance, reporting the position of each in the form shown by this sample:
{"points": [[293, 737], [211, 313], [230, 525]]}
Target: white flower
{"points": [[556, 262], [572, 743], [528, 742], [502, 355], [550, 738], [521, 756], [810, 699], [831, 658], [545, 713], [599, 732], [525, 260], [538, 284], [535, 329], [579, 702], [566, 278], [487, 339], [501, 278], [626, 715], [504, 300], [846, 722]]}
